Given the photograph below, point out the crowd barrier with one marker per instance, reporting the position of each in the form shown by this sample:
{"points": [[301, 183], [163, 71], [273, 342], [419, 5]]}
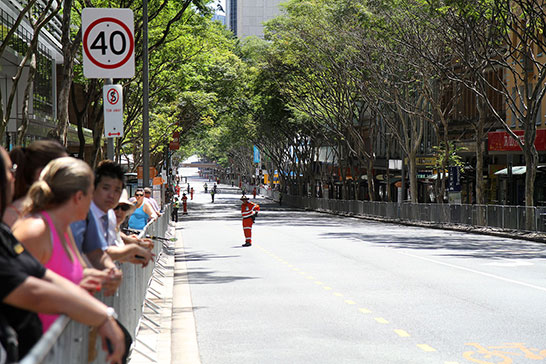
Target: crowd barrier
{"points": [[532, 219], [68, 341]]}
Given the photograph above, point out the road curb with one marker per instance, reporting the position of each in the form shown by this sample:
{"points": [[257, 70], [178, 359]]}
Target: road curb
{"points": [[184, 349]]}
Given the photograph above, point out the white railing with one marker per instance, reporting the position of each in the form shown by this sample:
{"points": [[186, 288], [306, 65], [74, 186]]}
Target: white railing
{"points": [[495, 216], [67, 341]]}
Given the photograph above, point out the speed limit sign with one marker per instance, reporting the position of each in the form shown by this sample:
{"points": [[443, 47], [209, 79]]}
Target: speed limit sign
{"points": [[108, 43]]}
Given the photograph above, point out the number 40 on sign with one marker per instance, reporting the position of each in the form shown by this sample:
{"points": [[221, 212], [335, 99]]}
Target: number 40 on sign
{"points": [[108, 43]]}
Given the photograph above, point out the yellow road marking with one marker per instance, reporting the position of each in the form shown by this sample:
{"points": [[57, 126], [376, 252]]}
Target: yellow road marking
{"points": [[310, 277], [295, 269], [338, 294], [290, 265], [364, 310], [350, 302], [318, 282], [327, 288], [426, 347], [402, 333], [381, 320]]}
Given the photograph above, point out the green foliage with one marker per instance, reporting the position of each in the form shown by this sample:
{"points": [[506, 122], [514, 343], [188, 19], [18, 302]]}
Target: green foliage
{"points": [[454, 159]]}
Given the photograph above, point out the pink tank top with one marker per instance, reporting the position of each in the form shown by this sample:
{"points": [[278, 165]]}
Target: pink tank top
{"points": [[60, 263]]}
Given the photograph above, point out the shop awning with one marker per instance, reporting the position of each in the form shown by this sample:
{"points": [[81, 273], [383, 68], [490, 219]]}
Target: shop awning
{"points": [[516, 170]]}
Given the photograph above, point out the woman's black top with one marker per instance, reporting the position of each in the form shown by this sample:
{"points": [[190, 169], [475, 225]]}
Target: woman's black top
{"points": [[16, 265]]}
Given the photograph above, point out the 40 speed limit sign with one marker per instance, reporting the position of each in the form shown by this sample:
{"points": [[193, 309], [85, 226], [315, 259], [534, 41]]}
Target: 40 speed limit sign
{"points": [[108, 43]]}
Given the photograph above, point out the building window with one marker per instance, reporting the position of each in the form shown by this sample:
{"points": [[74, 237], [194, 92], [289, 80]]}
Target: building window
{"points": [[43, 84], [233, 16]]}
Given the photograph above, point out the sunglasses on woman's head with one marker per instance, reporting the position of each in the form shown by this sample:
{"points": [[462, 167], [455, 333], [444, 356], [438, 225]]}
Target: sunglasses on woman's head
{"points": [[123, 207], [139, 194]]}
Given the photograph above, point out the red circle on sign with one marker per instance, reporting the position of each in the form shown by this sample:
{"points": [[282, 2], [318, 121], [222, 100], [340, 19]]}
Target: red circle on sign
{"points": [[114, 92], [121, 24]]}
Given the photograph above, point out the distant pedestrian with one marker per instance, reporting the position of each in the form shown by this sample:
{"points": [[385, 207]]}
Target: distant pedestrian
{"points": [[215, 188], [254, 193], [212, 192], [184, 204], [176, 206], [148, 198], [191, 193], [249, 211], [232, 183], [206, 187]]}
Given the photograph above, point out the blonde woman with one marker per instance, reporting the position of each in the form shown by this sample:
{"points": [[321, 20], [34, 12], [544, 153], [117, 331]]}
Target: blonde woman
{"points": [[61, 196]]}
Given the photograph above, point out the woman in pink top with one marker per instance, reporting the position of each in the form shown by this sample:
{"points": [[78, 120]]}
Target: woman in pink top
{"points": [[61, 196]]}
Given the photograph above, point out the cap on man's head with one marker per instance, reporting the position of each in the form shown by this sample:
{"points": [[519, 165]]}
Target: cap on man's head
{"points": [[244, 198]]}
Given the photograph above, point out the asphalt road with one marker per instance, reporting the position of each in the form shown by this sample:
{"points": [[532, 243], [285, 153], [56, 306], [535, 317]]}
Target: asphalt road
{"points": [[318, 288]]}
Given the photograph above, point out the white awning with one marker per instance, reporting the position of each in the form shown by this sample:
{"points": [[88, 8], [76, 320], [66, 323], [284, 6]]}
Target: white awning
{"points": [[516, 170]]}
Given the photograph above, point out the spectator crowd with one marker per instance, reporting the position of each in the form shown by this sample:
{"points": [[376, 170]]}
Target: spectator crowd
{"points": [[61, 242]]}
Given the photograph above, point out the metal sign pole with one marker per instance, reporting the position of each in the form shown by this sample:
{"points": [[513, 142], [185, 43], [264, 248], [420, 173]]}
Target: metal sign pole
{"points": [[109, 141], [145, 92]]}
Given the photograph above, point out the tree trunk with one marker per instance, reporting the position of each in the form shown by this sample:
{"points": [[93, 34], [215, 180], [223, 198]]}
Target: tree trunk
{"points": [[69, 52], [531, 157], [371, 182], [26, 100], [413, 177], [480, 183]]}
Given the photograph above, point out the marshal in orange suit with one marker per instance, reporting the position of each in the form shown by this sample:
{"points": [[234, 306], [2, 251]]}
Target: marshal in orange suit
{"points": [[249, 210]]}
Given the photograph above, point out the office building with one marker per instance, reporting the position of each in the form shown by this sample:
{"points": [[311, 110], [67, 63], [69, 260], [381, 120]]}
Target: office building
{"points": [[246, 17]]}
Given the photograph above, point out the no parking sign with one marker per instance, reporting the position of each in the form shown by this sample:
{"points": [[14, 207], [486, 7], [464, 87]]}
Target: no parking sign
{"points": [[108, 43], [113, 111]]}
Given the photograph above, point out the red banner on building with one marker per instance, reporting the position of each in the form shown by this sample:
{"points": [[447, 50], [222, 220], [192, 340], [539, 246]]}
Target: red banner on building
{"points": [[501, 141]]}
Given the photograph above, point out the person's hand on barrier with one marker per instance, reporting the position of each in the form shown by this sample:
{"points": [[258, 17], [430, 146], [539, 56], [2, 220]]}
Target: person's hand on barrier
{"points": [[146, 243], [130, 238], [112, 281], [141, 256], [93, 279], [112, 340]]}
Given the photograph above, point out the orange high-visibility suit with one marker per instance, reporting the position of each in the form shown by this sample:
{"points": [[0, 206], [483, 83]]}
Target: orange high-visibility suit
{"points": [[191, 193], [185, 204], [249, 211]]}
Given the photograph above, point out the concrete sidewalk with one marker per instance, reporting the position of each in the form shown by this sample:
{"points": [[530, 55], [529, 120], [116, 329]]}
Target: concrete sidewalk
{"points": [[167, 328]]}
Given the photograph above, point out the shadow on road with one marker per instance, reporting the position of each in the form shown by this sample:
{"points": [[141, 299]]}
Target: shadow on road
{"points": [[203, 276], [469, 246]]}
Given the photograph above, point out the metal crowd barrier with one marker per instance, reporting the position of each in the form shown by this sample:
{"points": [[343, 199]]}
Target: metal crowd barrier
{"points": [[67, 341], [522, 218]]}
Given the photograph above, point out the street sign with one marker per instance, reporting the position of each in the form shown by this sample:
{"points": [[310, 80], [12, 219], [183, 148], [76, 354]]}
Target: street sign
{"points": [[175, 142], [108, 43], [454, 179], [113, 111], [140, 172]]}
